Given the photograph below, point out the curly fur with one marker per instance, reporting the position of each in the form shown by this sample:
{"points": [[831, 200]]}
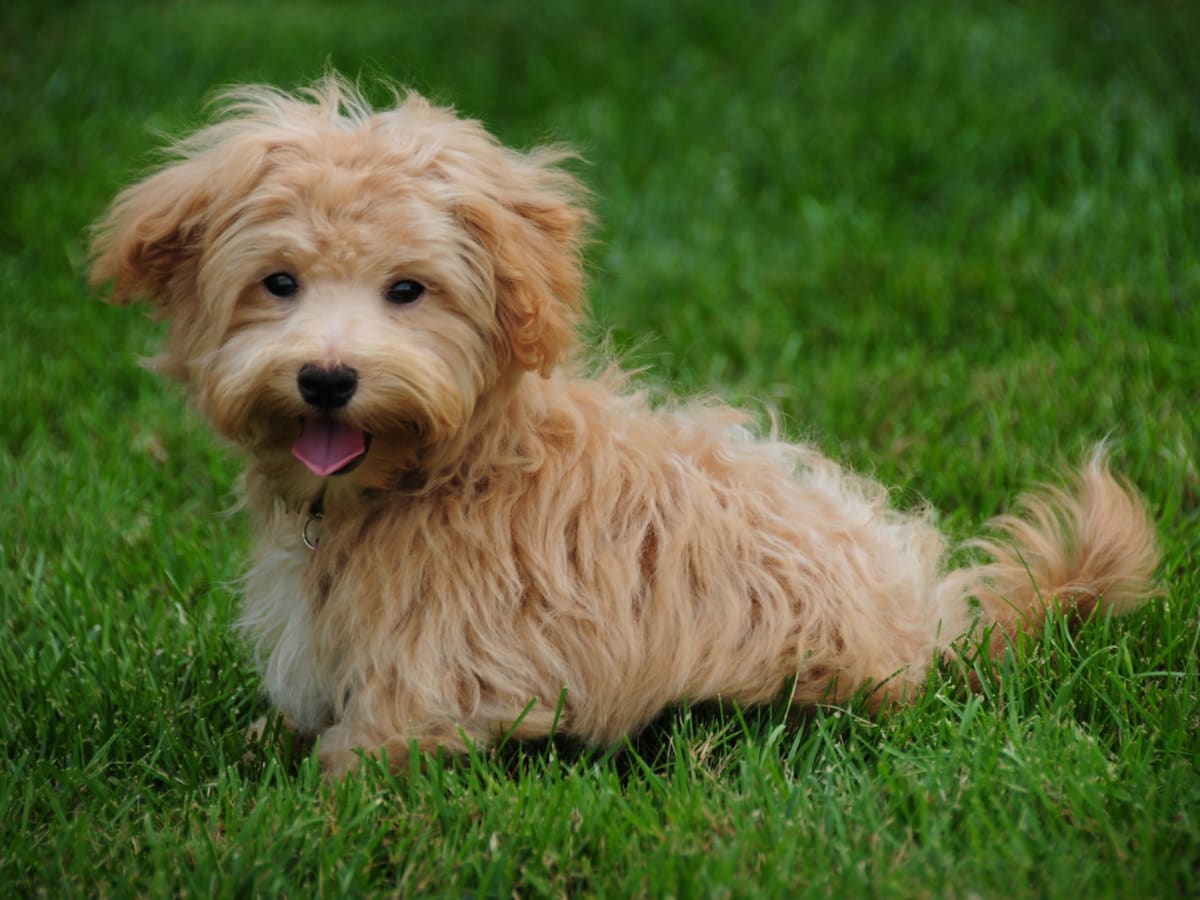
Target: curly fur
{"points": [[516, 529]]}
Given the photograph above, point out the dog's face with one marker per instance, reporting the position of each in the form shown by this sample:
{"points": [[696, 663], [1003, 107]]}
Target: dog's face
{"points": [[342, 286]]}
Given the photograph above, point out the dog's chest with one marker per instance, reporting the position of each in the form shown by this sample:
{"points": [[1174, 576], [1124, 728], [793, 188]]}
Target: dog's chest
{"points": [[279, 603]]}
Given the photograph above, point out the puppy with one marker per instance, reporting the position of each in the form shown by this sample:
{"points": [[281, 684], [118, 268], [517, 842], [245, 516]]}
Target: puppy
{"points": [[458, 535]]}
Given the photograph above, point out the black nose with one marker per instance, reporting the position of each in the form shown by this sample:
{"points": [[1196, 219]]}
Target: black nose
{"points": [[327, 389]]}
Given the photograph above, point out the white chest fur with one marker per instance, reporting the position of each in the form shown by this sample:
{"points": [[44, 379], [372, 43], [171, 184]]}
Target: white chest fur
{"points": [[277, 619]]}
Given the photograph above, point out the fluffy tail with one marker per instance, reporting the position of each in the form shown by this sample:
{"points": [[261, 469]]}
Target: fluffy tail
{"points": [[1091, 544]]}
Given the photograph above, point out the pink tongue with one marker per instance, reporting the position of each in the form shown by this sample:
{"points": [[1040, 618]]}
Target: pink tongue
{"points": [[326, 446]]}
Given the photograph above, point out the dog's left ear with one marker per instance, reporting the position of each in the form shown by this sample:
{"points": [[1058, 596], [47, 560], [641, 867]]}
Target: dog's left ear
{"points": [[528, 212], [148, 243]]}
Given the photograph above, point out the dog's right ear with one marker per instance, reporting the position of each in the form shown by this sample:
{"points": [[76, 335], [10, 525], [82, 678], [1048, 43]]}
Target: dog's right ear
{"points": [[148, 244]]}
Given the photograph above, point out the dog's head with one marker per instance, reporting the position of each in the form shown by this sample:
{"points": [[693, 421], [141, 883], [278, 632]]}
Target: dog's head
{"points": [[336, 278]]}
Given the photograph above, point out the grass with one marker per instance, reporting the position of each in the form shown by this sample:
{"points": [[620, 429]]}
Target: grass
{"points": [[954, 243]]}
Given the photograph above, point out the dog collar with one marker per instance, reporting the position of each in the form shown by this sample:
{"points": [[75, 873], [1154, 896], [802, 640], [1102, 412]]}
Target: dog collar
{"points": [[316, 512]]}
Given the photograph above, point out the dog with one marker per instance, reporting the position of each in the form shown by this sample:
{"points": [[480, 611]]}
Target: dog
{"points": [[463, 535]]}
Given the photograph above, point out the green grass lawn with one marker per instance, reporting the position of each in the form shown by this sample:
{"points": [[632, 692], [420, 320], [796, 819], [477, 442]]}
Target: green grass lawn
{"points": [[955, 244]]}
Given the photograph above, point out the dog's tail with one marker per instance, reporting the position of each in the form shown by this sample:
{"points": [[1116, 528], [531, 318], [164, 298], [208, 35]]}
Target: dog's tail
{"points": [[1075, 549]]}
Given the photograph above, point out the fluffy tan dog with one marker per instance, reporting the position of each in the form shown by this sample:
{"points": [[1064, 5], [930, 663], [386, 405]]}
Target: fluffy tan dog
{"points": [[380, 308]]}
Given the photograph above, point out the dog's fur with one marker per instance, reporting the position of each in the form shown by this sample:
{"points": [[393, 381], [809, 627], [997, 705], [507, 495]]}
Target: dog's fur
{"points": [[516, 529]]}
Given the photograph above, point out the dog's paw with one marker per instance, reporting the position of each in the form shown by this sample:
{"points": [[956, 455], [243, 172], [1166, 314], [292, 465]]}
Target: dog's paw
{"points": [[277, 731], [343, 753], [257, 731]]}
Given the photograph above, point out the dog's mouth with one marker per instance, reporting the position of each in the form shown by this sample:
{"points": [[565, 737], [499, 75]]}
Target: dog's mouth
{"points": [[329, 447]]}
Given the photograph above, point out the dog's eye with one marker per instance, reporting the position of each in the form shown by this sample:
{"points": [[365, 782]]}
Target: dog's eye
{"points": [[281, 284], [404, 292]]}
